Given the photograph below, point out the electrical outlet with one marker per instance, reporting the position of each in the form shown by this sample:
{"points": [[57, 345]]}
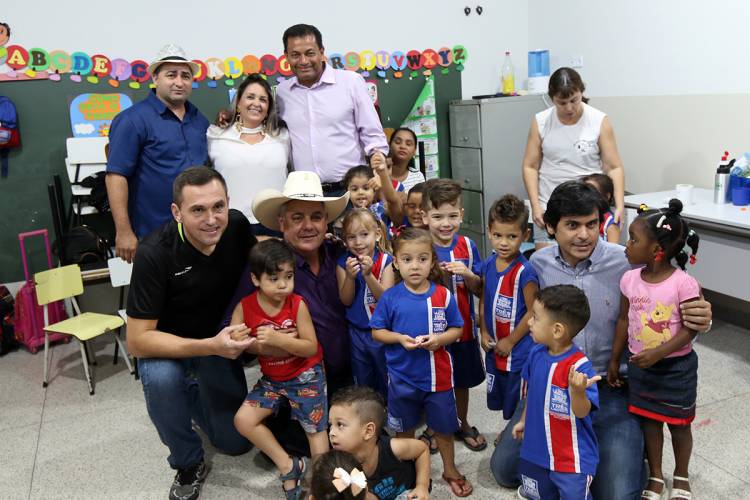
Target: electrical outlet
{"points": [[576, 61]]}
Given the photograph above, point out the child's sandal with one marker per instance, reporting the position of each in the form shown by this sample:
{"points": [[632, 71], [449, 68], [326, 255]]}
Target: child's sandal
{"points": [[679, 493], [296, 474], [652, 495]]}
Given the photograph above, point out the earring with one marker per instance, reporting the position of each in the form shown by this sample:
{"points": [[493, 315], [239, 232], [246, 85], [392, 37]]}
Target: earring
{"points": [[238, 121], [659, 256]]}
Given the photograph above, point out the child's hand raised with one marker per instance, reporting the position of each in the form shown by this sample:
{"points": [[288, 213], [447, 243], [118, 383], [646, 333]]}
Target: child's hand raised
{"points": [[365, 264], [408, 343], [579, 382], [518, 430], [378, 162], [352, 267]]}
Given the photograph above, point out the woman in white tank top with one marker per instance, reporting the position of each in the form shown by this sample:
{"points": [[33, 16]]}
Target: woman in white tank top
{"points": [[567, 141]]}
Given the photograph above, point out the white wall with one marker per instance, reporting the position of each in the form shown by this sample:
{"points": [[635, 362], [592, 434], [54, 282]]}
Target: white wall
{"points": [[647, 47], [222, 28]]}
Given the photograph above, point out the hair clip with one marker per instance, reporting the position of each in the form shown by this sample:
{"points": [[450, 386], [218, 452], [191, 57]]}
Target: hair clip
{"points": [[667, 227], [642, 208], [692, 260], [662, 219], [355, 479]]}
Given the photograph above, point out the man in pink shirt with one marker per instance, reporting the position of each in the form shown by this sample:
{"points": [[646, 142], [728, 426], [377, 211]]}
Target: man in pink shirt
{"points": [[332, 121]]}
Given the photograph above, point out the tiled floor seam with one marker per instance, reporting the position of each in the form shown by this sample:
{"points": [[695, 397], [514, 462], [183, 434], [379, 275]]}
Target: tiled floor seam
{"points": [[39, 433], [706, 405], [718, 466]]}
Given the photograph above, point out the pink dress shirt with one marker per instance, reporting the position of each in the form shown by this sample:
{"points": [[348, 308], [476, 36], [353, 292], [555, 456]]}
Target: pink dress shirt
{"points": [[333, 124]]}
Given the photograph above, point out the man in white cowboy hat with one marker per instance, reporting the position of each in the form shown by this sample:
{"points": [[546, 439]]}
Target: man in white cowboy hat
{"points": [[301, 212], [150, 143]]}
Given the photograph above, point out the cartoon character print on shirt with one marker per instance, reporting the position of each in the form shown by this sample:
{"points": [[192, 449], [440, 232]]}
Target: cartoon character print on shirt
{"points": [[287, 323], [585, 147], [655, 327]]}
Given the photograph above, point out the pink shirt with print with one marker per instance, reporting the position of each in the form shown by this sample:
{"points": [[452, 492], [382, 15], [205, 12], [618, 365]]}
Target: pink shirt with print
{"points": [[654, 315]]}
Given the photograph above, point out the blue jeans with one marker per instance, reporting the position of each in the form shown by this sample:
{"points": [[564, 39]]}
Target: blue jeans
{"points": [[207, 390], [620, 474]]}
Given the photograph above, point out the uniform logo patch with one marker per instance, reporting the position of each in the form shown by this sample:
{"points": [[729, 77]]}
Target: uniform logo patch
{"points": [[395, 423], [490, 382], [559, 404], [439, 322], [530, 488], [503, 308]]}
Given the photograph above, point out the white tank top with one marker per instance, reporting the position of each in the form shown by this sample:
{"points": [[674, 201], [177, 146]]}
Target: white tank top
{"points": [[568, 151]]}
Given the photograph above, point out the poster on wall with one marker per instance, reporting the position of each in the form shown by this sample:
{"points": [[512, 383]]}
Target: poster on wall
{"points": [[422, 120], [91, 114]]}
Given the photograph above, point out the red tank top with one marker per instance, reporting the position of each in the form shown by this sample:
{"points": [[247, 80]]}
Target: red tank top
{"points": [[278, 369]]}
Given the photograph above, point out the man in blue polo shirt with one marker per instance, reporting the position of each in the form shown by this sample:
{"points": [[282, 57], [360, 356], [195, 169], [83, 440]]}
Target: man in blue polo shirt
{"points": [[149, 145]]}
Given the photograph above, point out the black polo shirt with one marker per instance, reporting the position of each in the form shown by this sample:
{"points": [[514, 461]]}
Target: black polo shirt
{"points": [[185, 290]]}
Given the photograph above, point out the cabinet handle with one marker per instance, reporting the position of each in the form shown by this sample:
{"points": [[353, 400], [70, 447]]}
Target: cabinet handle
{"points": [[467, 181], [465, 139]]}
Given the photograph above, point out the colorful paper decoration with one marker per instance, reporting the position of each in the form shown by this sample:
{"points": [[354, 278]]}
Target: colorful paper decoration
{"points": [[100, 65], [121, 70], [398, 61], [92, 114], [92, 79], [55, 77], [422, 120], [139, 71], [445, 56], [18, 57], [414, 60], [60, 61], [250, 64], [75, 77], [3, 55], [38, 59], [202, 71], [269, 65], [429, 59], [81, 63], [351, 61], [336, 60], [232, 67], [382, 60], [284, 68]]}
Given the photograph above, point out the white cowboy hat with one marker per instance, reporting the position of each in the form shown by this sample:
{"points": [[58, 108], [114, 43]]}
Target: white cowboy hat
{"points": [[300, 185], [172, 53]]}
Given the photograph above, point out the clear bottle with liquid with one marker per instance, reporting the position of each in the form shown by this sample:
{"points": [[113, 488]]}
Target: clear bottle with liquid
{"points": [[507, 75]]}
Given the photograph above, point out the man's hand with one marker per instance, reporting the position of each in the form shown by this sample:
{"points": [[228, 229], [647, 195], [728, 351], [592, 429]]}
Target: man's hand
{"points": [[223, 118], [504, 347], [518, 430], [579, 382], [226, 347], [352, 267], [407, 342], [696, 315], [125, 245]]}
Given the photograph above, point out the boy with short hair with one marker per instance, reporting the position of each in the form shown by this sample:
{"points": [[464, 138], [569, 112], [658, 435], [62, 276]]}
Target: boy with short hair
{"points": [[412, 209], [510, 286], [460, 261], [559, 453], [393, 466]]}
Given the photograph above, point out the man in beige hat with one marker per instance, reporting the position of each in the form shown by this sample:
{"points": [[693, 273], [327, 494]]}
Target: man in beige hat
{"points": [[301, 212], [150, 143]]}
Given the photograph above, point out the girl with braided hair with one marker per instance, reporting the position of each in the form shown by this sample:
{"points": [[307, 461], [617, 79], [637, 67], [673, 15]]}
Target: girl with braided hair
{"points": [[662, 366]]}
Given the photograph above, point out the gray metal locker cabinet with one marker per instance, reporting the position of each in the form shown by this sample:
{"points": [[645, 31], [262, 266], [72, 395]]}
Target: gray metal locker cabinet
{"points": [[488, 139]]}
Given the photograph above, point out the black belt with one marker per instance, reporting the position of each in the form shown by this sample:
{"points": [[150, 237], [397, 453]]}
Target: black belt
{"points": [[333, 186]]}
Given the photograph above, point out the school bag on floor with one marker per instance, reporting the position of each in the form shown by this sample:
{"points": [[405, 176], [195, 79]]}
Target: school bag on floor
{"points": [[29, 321], [9, 135]]}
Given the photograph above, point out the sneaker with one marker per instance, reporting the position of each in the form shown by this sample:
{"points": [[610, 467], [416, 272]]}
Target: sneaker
{"points": [[188, 482]]}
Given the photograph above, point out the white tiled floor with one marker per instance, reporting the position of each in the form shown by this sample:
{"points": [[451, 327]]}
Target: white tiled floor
{"points": [[60, 442]]}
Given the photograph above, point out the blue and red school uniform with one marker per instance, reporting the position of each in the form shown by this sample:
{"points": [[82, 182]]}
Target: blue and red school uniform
{"points": [[559, 452], [419, 380], [467, 357], [608, 219], [504, 308], [368, 355], [378, 209], [297, 379]]}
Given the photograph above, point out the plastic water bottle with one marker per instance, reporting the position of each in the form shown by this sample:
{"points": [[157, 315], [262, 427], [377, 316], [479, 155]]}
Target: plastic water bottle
{"points": [[507, 75]]}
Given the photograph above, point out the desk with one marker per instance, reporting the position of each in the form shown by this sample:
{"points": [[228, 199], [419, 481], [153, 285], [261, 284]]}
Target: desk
{"points": [[723, 263]]}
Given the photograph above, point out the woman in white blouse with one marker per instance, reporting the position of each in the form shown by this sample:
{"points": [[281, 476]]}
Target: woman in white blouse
{"points": [[252, 151]]}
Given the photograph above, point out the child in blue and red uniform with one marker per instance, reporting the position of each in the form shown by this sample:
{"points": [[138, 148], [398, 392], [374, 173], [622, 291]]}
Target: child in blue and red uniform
{"points": [[609, 230], [292, 365], [373, 189], [363, 274], [510, 286], [559, 453], [461, 263], [417, 319]]}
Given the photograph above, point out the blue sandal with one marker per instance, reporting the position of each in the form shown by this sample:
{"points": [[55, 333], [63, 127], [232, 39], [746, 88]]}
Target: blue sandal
{"points": [[296, 474]]}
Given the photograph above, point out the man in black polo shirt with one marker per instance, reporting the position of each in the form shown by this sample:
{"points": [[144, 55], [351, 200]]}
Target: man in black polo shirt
{"points": [[184, 276]]}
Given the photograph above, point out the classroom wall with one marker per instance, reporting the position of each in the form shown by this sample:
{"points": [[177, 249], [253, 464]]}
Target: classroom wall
{"points": [[671, 74], [222, 28]]}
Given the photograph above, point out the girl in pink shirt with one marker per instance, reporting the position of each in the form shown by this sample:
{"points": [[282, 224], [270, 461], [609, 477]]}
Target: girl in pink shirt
{"points": [[662, 367]]}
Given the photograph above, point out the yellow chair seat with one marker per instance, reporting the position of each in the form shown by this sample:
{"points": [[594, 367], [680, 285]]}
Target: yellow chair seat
{"points": [[87, 325]]}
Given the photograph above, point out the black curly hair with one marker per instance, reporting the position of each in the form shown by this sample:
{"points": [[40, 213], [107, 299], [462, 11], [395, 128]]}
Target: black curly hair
{"points": [[671, 232]]}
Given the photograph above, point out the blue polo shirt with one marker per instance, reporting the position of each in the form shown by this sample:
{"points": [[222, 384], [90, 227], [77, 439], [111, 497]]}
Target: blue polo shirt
{"points": [[150, 146]]}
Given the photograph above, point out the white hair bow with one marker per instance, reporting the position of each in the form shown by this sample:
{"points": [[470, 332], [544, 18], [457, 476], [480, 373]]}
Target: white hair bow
{"points": [[342, 480]]}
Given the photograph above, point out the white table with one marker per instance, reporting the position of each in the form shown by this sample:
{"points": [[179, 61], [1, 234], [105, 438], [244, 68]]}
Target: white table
{"points": [[723, 260]]}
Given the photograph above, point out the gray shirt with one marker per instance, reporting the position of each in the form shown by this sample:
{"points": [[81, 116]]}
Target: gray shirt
{"points": [[599, 278]]}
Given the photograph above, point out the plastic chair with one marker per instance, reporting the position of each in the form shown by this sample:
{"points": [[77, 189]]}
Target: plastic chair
{"points": [[66, 283], [119, 275]]}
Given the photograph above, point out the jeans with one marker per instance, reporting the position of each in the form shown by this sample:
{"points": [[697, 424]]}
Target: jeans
{"points": [[620, 474], [207, 390]]}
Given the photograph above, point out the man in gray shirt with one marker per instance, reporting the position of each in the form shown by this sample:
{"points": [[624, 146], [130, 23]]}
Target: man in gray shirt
{"points": [[581, 259]]}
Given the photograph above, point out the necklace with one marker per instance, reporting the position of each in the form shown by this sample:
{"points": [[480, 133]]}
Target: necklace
{"points": [[257, 130]]}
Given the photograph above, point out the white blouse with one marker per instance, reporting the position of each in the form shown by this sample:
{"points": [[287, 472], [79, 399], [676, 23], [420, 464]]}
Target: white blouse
{"points": [[248, 168]]}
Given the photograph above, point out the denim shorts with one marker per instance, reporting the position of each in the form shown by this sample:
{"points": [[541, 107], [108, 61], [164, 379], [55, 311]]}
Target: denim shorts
{"points": [[306, 394]]}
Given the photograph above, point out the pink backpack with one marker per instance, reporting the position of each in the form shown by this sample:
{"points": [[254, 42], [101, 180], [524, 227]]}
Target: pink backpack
{"points": [[29, 322]]}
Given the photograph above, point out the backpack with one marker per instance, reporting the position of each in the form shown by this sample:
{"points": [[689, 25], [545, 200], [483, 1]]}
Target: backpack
{"points": [[9, 135], [98, 197], [83, 245], [8, 340]]}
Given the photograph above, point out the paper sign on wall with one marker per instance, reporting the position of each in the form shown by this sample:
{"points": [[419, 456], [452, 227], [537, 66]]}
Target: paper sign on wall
{"points": [[92, 114]]}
